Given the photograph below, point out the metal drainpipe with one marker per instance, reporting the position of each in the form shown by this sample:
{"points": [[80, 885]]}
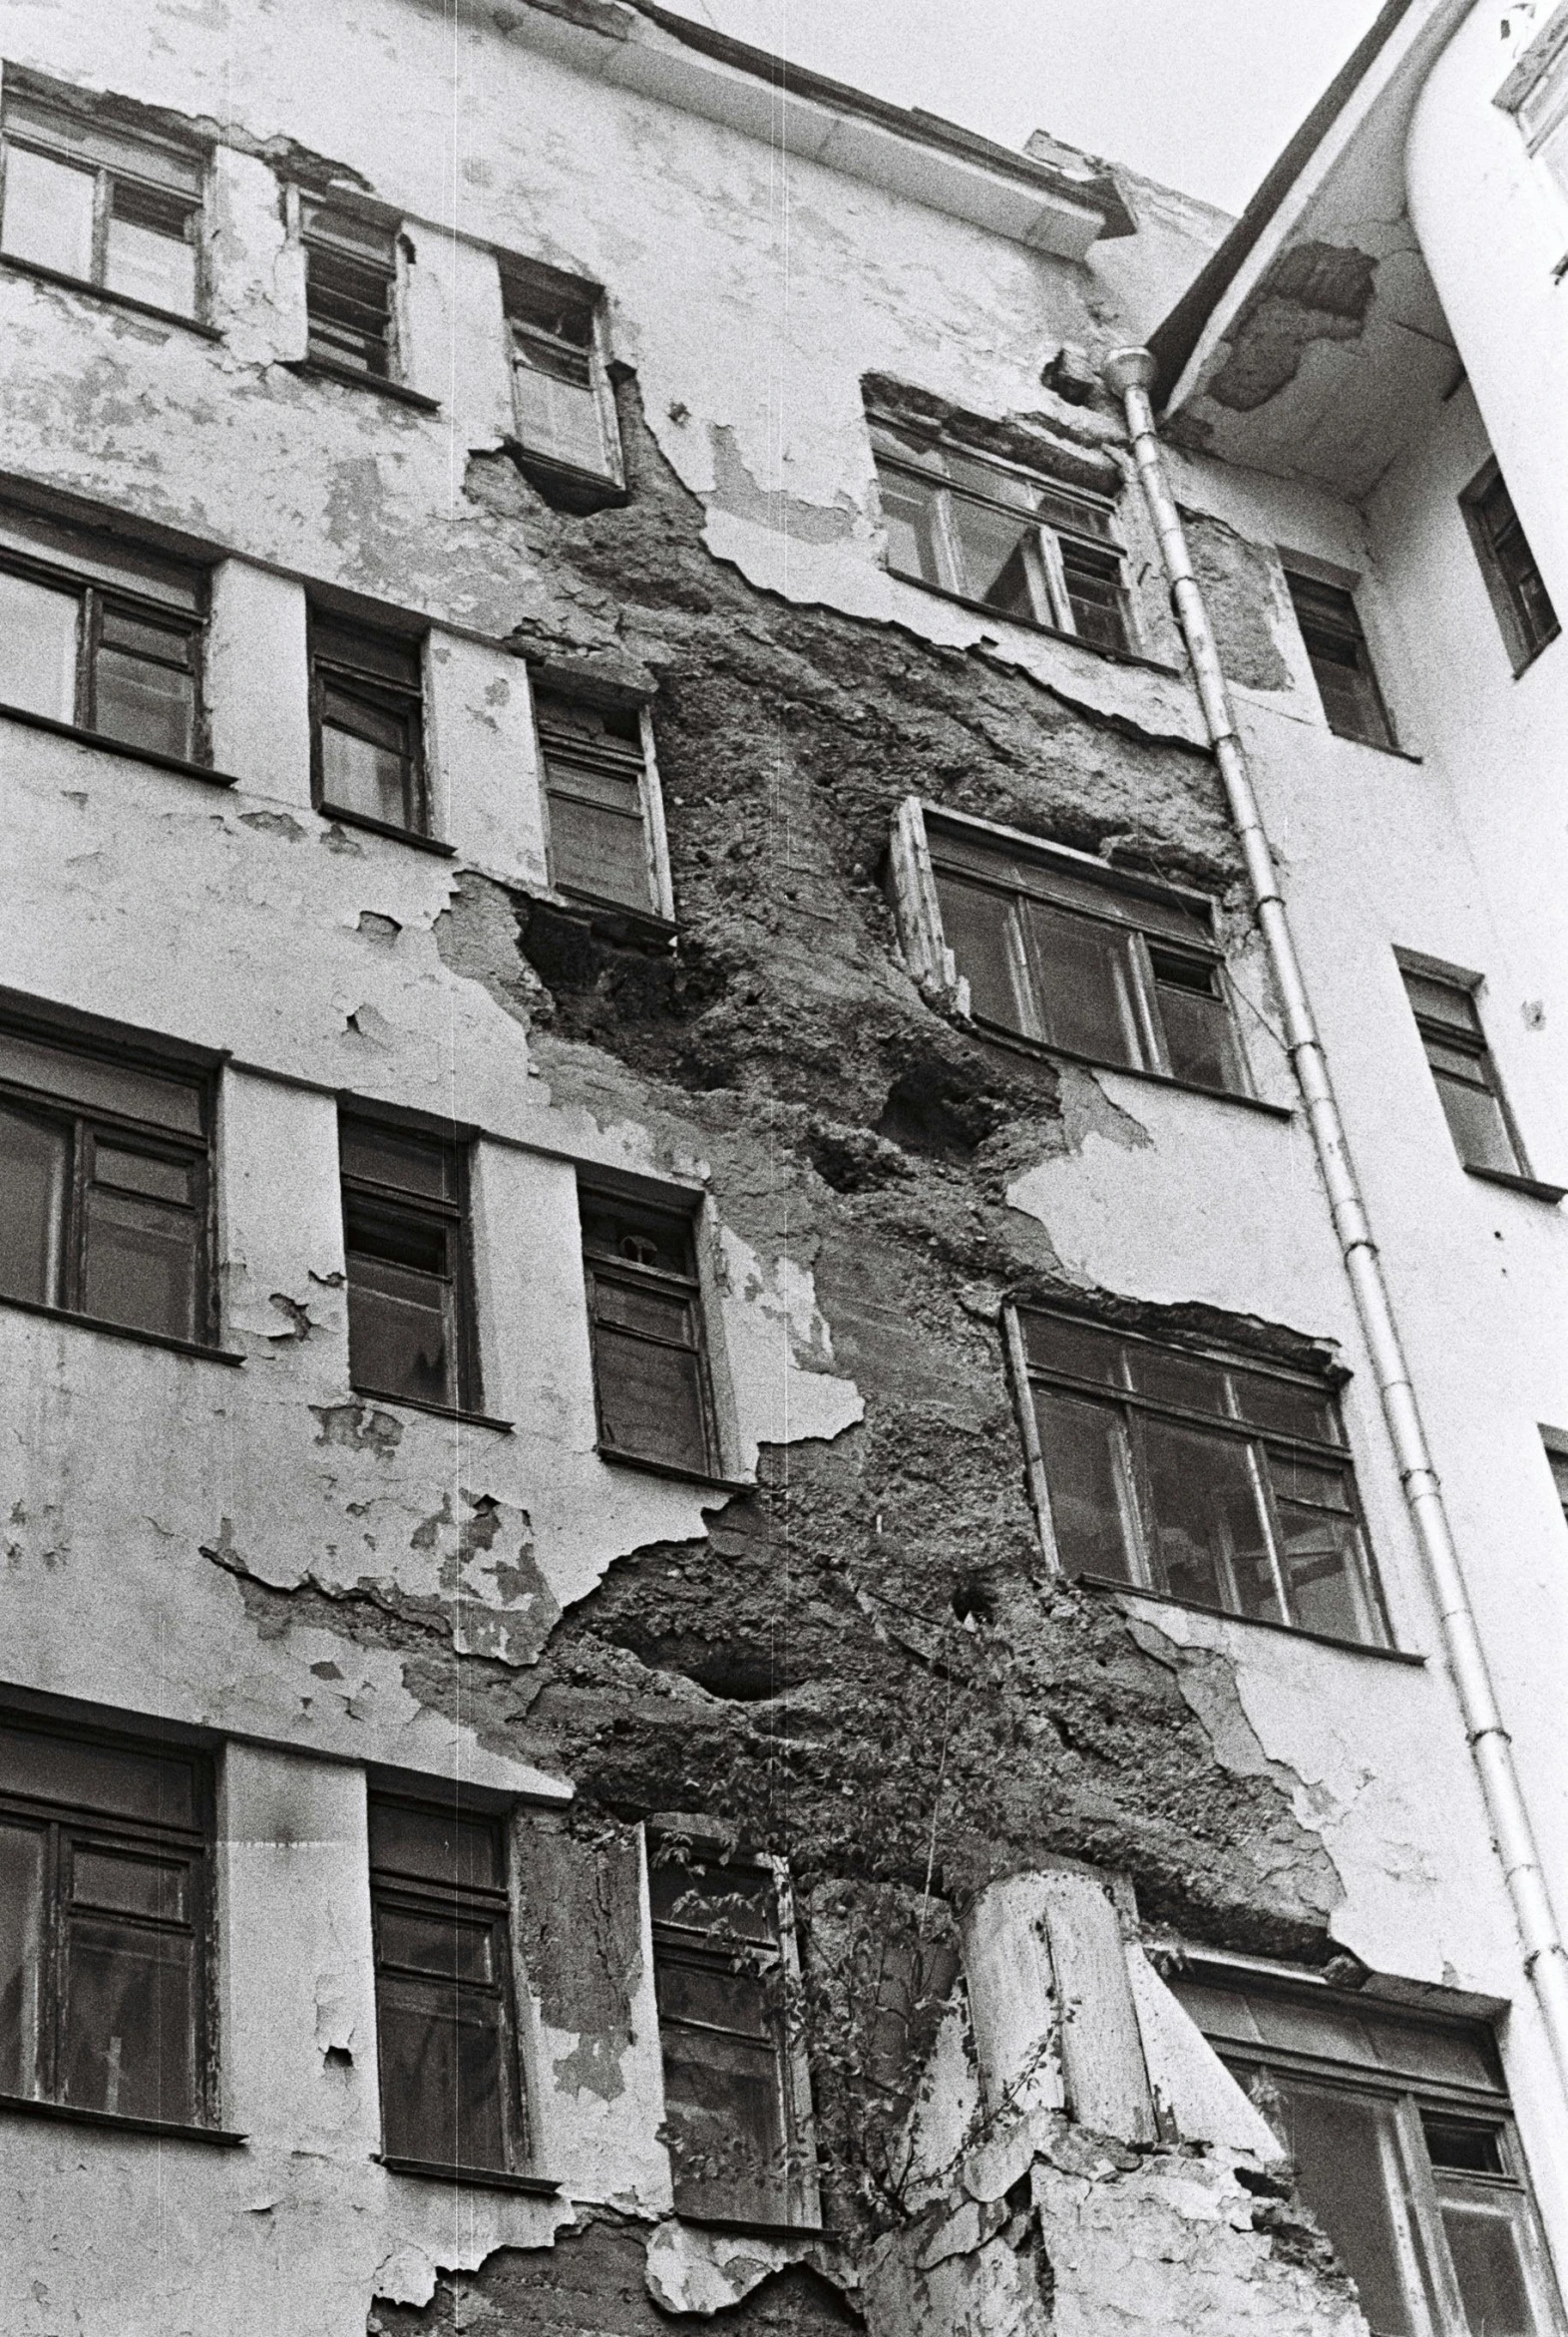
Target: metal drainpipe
{"points": [[1128, 374]]}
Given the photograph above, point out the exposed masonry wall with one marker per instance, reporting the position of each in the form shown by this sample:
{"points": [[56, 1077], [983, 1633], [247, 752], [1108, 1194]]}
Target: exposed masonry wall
{"points": [[861, 1662]]}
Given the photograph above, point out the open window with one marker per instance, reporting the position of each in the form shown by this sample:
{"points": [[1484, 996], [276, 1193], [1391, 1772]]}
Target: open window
{"points": [[98, 634], [1336, 644], [1523, 605], [737, 2093], [1194, 1476], [90, 198], [350, 289], [562, 405], [651, 1381], [1403, 2147], [105, 1913], [607, 825], [1036, 541], [411, 1331], [1056, 947], [367, 731]]}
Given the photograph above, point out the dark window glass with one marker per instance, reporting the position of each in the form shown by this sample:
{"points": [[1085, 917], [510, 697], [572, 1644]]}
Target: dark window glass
{"points": [[593, 778], [1253, 1515], [105, 1194], [560, 401], [79, 653], [366, 710], [103, 1908], [1465, 1076], [1082, 967], [87, 200], [410, 1328], [646, 1312], [449, 2094], [350, 277], [1340, 661], [720, 1980], [1517, 588], [1031, 548]]}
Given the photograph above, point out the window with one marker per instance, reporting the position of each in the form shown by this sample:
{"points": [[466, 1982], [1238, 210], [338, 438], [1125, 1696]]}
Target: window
{"points": [[565, 412], [98, 634], [1196, 1477], [350, 289], [651, 1377], [1341, 666], [1556, 1444], [1461, 1065], [104, 1173], [1404, 2148], [85, 199], [445, 2018], [1057, 948], [604, 834], [1518, 592], [366, 726], [1038, 548], [410, 1320], [103, 1899], [736, 2098]]}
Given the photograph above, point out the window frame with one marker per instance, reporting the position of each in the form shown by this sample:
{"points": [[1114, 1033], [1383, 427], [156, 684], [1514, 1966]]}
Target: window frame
{"points": [[659, 910], [666, 1203], [403, 701], [454, 1213], [147, 1138], [194, 1846], [709, 1846], [1426, 2188], [303, 208], [1301, 579], [1257, 1442], [75, 153], [1472, 1042], [493, 1904], [521, 278], [1044, 541], [1521, 638]]}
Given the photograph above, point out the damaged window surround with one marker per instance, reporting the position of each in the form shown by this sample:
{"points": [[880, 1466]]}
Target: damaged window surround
{"points": [[607, 844]]}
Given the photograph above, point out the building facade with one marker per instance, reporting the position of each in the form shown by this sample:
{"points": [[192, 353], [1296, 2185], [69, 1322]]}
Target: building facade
{"points": [[721, 1601]]}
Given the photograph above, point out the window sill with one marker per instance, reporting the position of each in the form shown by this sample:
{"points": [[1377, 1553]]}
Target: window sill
{"points": [[758, 2226], [323, 369], [1512, 1182], [1522, 668], [580, 492], [493, 2179], [112, 299], [618, 921], [1400, 754], [673, 1469], [1035, 1047], [1025, 624], [161, 2129], [439, 1411], [1349, 1646], [385, 828], [163, 1339], [116, 746]]}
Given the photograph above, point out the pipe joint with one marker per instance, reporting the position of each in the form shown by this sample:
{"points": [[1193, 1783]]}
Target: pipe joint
{"points": [[1128, 369]]}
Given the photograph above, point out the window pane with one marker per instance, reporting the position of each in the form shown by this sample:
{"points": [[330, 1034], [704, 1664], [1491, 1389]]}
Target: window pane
{"points": [[364, 776], [35, 1168], [909, 510], [1442, 1002], [598, 851], [711, 1994], [399, 1329], [38, 636], [417, 1164], [443, 1946], [48, 216], [141, 1263], [1072, 1347], [641, 1236], [442, 2075], [1286, 1406], [991, 547], [725, 1902], [128, 2021], [1093, 580], [1209, 1536], [650, 1399], [1476, 1124], [436, 1843], [1084, 1452], [150, 253], [643, 1306], [1086, 980], [129, 1885], [1347, 2168], [348, 310], [1175, 1379], [558, 409], [725, 2117], [146, 704], [1319, 1559], [144, 1172], [990, 479], [980, 927], [21, 1949], [1486, 2243], [1196, 1022]]}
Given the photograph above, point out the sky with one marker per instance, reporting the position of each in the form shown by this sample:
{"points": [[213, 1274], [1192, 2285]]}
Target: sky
{"points": [[1201, 94]]}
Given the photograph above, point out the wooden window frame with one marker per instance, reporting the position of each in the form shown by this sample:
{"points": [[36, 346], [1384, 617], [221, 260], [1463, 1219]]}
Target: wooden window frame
{"points": [[454, 1215], [194, 1846], [305, 212], [390, 1887], [95, 599], [626, 761], [402, 701], [522, 280], [1474, 1044], [86, 1123], [706, 1846], [689, 1287], [1045, 542], [1258, 1441], [1522, 639], [75, 153], [1345, 625]]}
